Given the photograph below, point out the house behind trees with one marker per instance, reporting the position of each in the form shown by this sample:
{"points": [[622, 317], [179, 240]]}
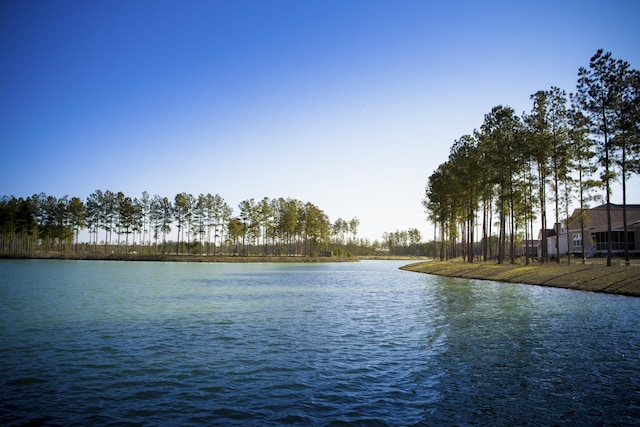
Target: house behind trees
{"points": [[595, 232]]}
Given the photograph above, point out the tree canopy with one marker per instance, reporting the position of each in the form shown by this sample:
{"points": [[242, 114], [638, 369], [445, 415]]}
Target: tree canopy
{"points": [[203, 224], [513, 165]]}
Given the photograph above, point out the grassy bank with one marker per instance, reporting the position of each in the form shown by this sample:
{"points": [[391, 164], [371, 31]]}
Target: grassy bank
{"points": [[392, 257], [176, 258], [593, 276]]}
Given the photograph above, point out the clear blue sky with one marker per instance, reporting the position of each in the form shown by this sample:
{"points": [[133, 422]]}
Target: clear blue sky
{"points": [[350, 105]]}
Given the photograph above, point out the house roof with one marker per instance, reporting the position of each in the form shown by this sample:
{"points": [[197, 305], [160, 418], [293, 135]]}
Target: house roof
{"points": [[550, 232], [596, 218]]}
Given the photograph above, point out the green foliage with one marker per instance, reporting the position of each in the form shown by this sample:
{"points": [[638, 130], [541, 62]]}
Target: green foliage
{"points": [[607, 93], [508, 165], [205, 224]]}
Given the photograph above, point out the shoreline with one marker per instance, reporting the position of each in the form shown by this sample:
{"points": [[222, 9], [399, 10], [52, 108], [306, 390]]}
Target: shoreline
{"points": [[593, 277], [204, 258], [177, 258]]}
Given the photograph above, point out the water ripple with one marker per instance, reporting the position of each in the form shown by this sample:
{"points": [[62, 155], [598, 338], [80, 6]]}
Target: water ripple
{"points": [[363, 344]]}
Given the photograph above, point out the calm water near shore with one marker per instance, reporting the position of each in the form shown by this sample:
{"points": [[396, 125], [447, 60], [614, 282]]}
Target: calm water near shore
{"points": [[148, 343]]}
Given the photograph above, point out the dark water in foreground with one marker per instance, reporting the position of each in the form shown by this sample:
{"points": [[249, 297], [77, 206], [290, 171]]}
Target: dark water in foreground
{"points": [[116, 343]]}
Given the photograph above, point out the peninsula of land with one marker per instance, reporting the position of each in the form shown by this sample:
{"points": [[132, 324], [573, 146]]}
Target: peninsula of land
{"points": [[593, 276]]}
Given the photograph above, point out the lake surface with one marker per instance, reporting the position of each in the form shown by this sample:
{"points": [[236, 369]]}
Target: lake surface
{"points": [[140, 343]]}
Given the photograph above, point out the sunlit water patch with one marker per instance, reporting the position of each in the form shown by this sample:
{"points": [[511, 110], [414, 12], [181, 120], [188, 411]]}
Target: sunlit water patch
{"points": [[112, 343]]}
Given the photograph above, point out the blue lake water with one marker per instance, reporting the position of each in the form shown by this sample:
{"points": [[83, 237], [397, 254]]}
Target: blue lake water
{"points": [[141, 343]]}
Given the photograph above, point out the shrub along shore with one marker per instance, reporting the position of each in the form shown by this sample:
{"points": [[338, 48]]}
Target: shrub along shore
{"points": [[593, 276]]}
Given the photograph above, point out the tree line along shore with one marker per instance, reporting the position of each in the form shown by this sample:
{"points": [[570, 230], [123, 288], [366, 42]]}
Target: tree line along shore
{"points": [[502, 178], [175, 258], [199, 258], [568, 151], [117, 224]]}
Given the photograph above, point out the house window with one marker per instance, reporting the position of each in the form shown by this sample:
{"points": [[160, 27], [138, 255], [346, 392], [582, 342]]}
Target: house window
{"points": [[577, 240]]}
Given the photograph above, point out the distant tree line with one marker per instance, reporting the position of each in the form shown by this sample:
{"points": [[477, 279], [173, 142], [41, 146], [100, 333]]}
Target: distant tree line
{"points": [[403, 242], [203, 224], [503, 174]]}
